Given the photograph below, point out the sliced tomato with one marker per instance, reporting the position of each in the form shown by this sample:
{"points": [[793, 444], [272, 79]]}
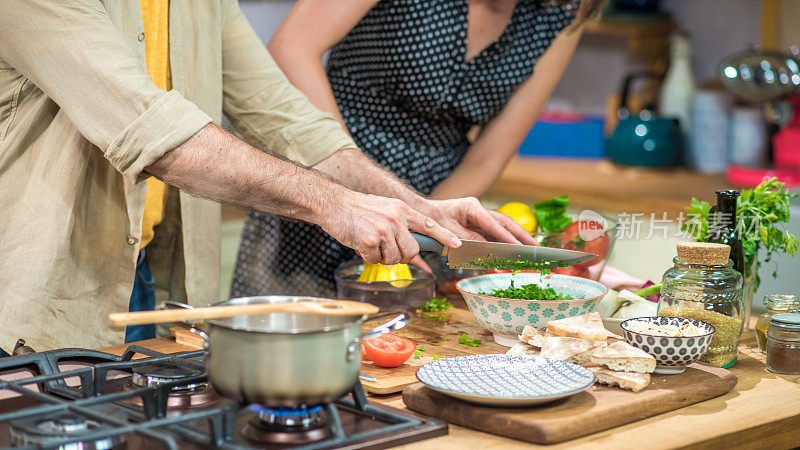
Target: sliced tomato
{"points": [[572, 240], [577, 271], [389, 350]]}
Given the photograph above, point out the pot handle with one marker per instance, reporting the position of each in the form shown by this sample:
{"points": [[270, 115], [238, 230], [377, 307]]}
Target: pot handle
{"points": [[171, 304], [395, 324]]}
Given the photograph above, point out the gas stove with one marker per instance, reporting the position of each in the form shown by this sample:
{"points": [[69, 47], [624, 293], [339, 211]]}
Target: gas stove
{"points": [[85, 399]]}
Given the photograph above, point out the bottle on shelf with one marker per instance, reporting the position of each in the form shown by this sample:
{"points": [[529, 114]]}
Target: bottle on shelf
{"points": [[678, 87]]}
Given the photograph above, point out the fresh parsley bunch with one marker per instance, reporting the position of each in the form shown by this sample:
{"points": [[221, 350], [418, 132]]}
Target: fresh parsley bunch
{"points": [[762, 215]]}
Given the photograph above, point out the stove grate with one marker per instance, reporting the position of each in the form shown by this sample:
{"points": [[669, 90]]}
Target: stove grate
{"points": [[214, 426]]}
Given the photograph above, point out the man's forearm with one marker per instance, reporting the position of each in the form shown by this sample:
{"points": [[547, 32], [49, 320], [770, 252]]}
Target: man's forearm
{"points": [[215, 164], [357, 171]]}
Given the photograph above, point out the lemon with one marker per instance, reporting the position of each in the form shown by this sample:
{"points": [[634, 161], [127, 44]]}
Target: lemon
{"points": [[398, 275], [522, 214]]}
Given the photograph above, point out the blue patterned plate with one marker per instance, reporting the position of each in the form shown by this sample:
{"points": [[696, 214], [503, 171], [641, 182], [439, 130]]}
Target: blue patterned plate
{"points": [[505, 380]]}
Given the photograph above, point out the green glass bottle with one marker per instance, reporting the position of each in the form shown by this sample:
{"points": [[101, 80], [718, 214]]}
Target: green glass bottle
{"points": [[723, 229]]}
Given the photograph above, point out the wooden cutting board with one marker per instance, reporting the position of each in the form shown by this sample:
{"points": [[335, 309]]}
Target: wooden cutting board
{"points": [[428, 333], [593, 410]]}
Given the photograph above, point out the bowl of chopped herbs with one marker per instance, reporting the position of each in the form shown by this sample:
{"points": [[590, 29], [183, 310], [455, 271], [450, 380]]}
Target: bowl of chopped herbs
{"points": [[505, 302]]}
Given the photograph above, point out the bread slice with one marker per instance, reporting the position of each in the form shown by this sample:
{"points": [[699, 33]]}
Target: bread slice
{"points": [[532, 336], [612, 338], [521, 348], [569, 349], [623, 357], [586, 326], [626, 380]]}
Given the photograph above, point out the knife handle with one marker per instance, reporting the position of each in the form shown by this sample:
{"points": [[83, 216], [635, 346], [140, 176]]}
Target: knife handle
{"points": [[428, 244]]}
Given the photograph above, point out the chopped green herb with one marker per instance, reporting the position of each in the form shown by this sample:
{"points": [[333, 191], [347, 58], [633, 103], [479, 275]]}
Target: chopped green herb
{"points": [[435, 357], [436, 304], [445, 339], [528, 292], [514, 265], [417, 353], [470, 342], [434, 341], [433, 316]]}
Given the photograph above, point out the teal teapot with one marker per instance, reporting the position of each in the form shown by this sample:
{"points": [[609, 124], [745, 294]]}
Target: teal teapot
{"points": [[644, 139]]}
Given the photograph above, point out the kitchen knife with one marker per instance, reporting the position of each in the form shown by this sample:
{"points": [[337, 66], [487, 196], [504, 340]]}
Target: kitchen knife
{"points": [[464, 257], [365, 377]]}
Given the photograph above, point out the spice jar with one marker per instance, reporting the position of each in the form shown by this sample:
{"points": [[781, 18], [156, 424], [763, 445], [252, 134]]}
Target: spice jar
{"points": [[703, 285], [775, 304], [783, 344]]}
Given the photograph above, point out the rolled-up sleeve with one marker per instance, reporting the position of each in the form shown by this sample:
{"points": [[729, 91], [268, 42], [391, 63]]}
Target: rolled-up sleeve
{"points": [[264, 107], [72, 51]]}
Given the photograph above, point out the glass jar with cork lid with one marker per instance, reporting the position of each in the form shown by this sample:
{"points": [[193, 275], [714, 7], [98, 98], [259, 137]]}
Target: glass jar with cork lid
{"points": [[775, 304], [703, 285]]}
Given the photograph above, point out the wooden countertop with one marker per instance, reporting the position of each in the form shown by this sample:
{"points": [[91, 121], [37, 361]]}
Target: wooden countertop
{"points": [[763, 410], [603, 186]]}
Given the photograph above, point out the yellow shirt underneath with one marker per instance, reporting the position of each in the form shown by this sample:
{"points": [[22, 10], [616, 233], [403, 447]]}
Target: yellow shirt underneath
{"points": [[155, 19]]}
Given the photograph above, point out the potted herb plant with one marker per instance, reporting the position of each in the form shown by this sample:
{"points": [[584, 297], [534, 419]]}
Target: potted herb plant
{"points": [[762, 216]]}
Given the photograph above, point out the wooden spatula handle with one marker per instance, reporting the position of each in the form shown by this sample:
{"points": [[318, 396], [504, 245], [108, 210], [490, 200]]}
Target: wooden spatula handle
{"points": [[332, 308]]}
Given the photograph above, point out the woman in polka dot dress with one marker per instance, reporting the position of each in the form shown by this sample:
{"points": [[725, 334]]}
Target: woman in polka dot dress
{"points": [[408, 79]]}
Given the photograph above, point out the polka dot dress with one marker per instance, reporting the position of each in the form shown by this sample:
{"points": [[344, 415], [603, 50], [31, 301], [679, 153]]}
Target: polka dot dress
{"points": [[408, 97]]}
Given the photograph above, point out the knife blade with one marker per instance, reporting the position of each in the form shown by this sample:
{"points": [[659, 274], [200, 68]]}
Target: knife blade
{"points": [[365, 377], [504, 255]]}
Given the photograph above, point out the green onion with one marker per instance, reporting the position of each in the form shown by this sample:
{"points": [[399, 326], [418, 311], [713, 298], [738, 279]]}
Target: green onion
{"points": [[470, 342]]}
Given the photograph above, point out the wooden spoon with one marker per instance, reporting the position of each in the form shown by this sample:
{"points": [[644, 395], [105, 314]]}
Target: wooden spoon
{"points": [[330, 308]]}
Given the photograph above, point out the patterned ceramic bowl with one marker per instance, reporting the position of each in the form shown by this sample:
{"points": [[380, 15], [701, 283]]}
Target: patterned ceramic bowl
{"points": [[672, 354], [506, 318]]}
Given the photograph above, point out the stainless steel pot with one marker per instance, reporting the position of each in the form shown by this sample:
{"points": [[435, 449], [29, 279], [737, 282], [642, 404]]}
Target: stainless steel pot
{"points": [[287, 359]]}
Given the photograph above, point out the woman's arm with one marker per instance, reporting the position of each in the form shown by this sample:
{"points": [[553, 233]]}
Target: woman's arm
{"points": [[308, 31], [500, 138]]}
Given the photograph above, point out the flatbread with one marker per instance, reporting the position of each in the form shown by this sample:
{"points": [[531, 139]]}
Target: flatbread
{"points": [[587, 326], [532, 336], [569, 349], [612, 338], [625, 380], [624, 357], [521, 348]]}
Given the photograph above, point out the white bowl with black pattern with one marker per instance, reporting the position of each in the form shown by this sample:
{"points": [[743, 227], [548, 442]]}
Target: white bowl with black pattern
{"points": [[672, 354]]}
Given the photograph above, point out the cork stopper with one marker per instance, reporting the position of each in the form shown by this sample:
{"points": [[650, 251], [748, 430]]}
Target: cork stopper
{"points": [[704, 253]]}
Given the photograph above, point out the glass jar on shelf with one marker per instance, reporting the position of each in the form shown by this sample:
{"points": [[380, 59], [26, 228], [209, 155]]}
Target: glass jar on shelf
{"points": [[703, 285], [775, 304]]}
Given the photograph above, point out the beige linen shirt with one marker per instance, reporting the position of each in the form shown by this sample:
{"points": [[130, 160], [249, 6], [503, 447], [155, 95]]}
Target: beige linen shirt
{"points": [[80, 119]]}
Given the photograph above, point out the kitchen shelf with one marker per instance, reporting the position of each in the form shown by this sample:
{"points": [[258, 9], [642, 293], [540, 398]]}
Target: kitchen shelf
{"points": [[603, 186]]}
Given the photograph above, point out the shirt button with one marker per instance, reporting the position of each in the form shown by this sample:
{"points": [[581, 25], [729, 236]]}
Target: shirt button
{"points": [[141, 36], [132, 240]]}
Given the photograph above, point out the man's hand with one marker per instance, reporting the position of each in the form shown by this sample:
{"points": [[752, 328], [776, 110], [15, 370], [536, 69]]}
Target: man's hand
{"points": [[378, 227], [468, 219]]}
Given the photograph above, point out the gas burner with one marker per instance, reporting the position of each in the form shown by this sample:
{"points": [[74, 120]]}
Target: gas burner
{"points": [[181, 395], [286, 425], [38, 430], [153, 375]]}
